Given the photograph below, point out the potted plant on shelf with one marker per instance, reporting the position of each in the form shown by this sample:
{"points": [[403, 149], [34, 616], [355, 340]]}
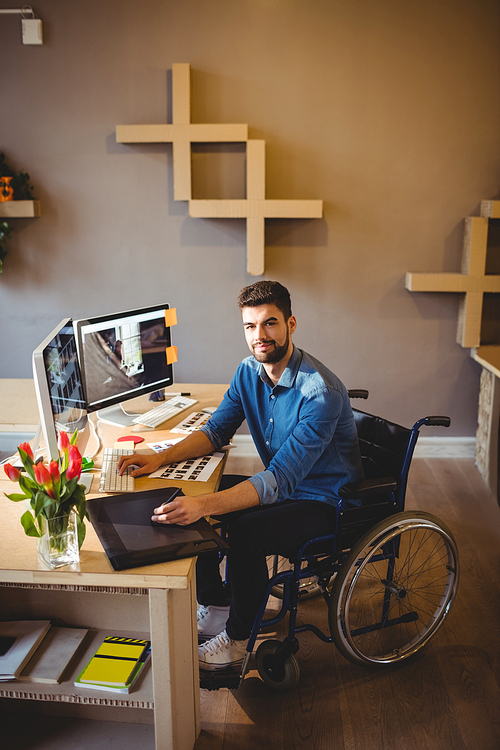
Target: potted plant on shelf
{"points": [[5, 237], [20, 181], [15, 185], [55, 503]]}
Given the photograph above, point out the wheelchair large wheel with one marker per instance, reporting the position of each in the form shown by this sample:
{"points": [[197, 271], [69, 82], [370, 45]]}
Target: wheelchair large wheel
{"points": [[394, 590], [308, 587], [282, 678]]}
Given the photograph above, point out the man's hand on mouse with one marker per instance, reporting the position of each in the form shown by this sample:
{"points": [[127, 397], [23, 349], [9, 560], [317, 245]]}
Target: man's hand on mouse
{"points": [[145, 463], [182, 510]]}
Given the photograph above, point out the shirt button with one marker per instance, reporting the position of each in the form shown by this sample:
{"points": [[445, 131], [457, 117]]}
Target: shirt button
{"points": [[273, 396], [270, 420], [267, 442]]}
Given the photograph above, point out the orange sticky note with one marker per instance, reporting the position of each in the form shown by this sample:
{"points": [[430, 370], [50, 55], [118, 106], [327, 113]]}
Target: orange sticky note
{"points": [[171, 317], [171, 352]]}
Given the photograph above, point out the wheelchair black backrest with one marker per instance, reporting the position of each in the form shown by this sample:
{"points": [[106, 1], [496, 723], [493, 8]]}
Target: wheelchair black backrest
{"points": [[383, 445]]}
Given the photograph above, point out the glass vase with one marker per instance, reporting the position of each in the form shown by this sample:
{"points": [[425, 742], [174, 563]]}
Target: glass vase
{"points": [[58, 544]]}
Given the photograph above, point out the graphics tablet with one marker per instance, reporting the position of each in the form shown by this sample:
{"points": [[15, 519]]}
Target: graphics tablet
{"points": [[123, 525]]}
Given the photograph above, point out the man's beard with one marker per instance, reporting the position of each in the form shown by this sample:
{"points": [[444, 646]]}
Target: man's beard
{"points": [[275, 355]]}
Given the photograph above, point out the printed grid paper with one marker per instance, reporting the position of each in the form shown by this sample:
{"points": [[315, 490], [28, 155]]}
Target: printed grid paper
{"points": [[191, 423], [194, 470]]}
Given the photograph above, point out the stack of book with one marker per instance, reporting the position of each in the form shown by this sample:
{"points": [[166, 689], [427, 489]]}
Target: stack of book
{"points": [[116, 665], [33, 651], [36, 651]]}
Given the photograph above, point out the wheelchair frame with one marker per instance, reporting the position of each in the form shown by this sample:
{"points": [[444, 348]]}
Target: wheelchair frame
{"points": [[381, 561]]}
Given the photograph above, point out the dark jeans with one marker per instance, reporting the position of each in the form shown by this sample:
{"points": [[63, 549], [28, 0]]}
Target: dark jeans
{"points": [[253, 534]]}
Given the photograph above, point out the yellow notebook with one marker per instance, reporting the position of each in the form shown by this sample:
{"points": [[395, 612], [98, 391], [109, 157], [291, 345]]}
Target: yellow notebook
{"points": [[114, 661]]}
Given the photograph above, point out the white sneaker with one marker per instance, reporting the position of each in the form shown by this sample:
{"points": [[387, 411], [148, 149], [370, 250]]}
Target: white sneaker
{"points": [[211, 620], [221, 652]]}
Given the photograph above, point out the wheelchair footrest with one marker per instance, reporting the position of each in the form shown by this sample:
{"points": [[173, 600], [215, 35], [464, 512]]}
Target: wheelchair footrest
{"points": [[223, 678]]}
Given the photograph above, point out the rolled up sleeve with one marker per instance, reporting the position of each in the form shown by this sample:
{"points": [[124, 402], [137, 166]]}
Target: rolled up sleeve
{"points": [[267, 487]]}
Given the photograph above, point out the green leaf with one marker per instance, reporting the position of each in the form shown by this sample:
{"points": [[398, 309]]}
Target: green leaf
{"points": [[53, 509], [29, 486], [29, 525], [26, 459], [82, 507], [81, 530], [16, 498], [69, 489], [43, 502], [79, 494]]}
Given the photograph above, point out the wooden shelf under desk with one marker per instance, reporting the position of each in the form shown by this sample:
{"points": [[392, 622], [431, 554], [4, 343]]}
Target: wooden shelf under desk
{"points": [[141, 696]]}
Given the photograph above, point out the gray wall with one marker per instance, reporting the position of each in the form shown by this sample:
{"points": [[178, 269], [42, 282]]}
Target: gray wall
{"points": [[387, 110]]}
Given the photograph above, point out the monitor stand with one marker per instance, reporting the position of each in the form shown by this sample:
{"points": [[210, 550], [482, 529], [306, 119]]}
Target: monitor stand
{"points": [[86, 480], [116, 416]]}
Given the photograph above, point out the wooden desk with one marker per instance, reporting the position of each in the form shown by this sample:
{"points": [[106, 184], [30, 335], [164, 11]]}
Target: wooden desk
{"points": [[157, 601]]}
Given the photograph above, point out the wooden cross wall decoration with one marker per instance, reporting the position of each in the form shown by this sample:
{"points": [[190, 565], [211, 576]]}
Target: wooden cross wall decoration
{"points": [[254, 208], [473, 281]]}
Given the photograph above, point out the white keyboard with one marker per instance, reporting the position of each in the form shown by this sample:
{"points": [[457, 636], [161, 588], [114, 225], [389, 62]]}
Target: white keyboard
{"points": [[164, 411], [111, 481]]}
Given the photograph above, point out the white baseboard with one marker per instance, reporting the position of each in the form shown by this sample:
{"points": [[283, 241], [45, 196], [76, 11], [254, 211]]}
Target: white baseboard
{"points": [[445, 447], [427, 447]]}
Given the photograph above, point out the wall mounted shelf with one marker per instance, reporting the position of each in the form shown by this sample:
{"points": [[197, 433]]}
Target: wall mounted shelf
{"points": [[255, 208], [20, 209]]}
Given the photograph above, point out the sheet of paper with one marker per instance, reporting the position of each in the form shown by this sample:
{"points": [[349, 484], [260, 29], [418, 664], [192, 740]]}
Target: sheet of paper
{"points": [[162, 445], [194, 470], [191, 423]]}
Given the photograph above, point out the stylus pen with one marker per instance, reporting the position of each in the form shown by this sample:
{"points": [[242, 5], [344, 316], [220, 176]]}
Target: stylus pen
{"points": [[175, 393]]}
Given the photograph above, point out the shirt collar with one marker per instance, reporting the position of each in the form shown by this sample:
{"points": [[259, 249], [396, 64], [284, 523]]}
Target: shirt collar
{"points": [[289, 373]]}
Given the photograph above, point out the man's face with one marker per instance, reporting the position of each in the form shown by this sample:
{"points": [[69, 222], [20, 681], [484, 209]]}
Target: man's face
{"points": [[267, 333]]}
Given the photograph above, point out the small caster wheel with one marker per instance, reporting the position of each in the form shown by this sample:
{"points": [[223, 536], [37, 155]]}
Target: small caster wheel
{"points": [[280, 678]]}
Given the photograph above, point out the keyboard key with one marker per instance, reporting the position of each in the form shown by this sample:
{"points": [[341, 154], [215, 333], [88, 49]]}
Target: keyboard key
{"points": [[111, 481]]}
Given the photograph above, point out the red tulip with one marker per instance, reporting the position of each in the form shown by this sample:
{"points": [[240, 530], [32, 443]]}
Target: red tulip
{"points": [[26, 447], [12, 472], [75, 463], [43, 478], [63, 441], [54, 470]]}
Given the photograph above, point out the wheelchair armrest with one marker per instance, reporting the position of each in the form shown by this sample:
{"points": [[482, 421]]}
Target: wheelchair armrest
{"points": [[367, 487]]}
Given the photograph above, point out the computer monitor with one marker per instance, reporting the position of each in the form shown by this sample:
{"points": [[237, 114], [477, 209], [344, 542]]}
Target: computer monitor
{"points": [[59, 389], [122, 356]]}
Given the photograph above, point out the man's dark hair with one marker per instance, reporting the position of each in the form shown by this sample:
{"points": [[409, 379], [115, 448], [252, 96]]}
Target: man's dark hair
{"points": [[266, 293]]}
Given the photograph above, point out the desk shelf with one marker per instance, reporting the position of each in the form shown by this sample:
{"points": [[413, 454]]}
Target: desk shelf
{"points": [[20, 209], [128, 610], [141, 696], [79, 606]]}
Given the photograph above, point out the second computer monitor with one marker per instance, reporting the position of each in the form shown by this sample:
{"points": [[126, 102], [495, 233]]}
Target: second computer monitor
{"points": [[123, 355], [59, 389]]}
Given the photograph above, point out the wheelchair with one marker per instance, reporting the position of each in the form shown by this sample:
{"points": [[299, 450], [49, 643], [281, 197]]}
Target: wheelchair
{"points": [[388, 576]]}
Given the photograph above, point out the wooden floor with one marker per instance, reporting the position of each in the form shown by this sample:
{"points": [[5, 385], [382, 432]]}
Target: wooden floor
{"points": [[446, 698]]}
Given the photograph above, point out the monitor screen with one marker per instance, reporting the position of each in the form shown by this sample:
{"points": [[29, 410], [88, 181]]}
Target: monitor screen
{"points": [[59, 388], [122, 356]]}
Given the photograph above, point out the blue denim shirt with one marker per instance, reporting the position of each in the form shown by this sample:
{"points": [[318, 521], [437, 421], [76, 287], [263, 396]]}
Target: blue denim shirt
{"points": [[303, 429]]}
